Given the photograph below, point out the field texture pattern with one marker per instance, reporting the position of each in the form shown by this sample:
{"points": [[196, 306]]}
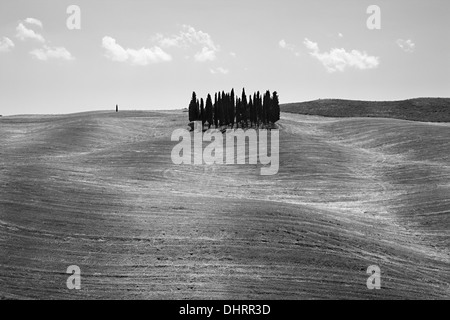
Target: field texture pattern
{"points": [[99, 190]]}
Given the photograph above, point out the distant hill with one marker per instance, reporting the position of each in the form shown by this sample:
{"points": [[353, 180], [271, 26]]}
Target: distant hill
{"points": [[421, 109]]}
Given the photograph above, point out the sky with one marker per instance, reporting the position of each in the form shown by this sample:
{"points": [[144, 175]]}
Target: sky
{"points": [[151, 55]]}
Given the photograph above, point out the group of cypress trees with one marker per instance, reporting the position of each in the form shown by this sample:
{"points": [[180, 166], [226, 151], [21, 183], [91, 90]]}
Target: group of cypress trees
{"points": [[228, 110]]}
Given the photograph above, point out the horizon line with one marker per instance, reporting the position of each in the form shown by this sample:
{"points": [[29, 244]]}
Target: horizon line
{"points": [[184, 108]]}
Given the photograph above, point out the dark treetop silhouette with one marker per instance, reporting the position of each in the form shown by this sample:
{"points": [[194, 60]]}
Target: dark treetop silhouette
{"points": [[228, 110]]}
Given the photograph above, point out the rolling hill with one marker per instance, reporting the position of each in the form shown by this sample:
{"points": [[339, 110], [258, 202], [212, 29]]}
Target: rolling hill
{"points": [[99, 190], [421, 109]]}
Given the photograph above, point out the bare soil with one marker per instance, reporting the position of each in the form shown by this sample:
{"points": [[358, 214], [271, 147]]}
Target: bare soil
{"points": [[99, 190]]}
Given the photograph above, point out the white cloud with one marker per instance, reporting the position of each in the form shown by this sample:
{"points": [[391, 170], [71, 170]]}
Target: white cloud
{"points": [[6, 44], [339, 59], [168, 42], [406, 45], [219, 70], [233, 54], [141, 57], [34, 21], [287, 46], [24, 33], [206, 54], [189, 36], [340, 35], [284, 45], [311, 45], [47, 53]]}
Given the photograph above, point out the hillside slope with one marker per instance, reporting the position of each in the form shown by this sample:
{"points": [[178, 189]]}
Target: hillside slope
{"points": [[99, 190], [422, 109]]}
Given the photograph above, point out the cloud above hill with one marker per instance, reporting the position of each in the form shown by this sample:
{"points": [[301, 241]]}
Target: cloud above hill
{"points": [[219, 70], [34, 21], [136, 57], [6, 44], [24, 33], [190, 37], [406, 45], [287, 46], [340, 59], [46, 52]]}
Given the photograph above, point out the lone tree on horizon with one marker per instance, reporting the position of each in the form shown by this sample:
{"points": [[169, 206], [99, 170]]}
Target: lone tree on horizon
{"points": [[117, 108]]}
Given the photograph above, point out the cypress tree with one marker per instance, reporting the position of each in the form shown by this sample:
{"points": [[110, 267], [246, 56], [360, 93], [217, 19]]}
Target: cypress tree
{"points": [[268, 107], [232, 108], [209, 111], [244, 107], [259, 108], [197, 110], [238, 112], [224, 109], [216, 111], [192, 108], [265, 106], [219, 109], [255, 110], [230, 113], [275, 116], [251, 111], [202, 112]]}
